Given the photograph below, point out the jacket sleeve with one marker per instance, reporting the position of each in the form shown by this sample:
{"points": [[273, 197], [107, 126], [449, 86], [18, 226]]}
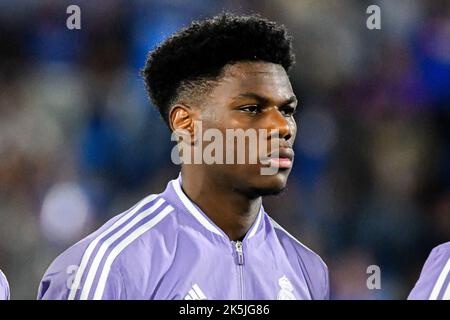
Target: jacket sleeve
{"points": [[56, 286], [4, 287]]}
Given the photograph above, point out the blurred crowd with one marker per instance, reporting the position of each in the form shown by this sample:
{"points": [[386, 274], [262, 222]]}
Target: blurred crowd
{"points": [[80, 142]]}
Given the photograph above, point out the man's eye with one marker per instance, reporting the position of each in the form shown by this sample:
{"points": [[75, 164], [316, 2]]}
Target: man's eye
{"points": [[252, 108], [288, 111]]}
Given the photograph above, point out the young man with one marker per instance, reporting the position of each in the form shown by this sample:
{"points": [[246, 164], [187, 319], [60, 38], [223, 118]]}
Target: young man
{"points": [[4, 287], [207, 235], [434, 280]]}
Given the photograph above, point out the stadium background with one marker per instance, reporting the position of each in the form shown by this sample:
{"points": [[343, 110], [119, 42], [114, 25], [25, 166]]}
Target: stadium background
{"points": [[79, 141]]}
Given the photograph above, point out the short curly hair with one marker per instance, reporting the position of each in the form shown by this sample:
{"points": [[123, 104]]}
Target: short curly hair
{"points": [[196, 55]]}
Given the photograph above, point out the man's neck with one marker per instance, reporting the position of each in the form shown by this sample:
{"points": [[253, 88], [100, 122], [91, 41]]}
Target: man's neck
{"points": [[231, 211]]}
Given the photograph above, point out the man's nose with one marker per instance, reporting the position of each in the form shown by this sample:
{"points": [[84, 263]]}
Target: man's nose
{"points": [[277, 121]]}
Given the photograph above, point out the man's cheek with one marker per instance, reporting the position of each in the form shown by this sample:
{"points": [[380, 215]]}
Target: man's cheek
{"points": [[294, 131]]}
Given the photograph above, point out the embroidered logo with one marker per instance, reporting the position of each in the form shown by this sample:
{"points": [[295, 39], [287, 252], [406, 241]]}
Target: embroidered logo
{"points": [[286, 291]]}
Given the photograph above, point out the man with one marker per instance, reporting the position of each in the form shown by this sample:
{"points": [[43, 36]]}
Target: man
{"points": [[434, 280], [4, 287], [207, 235]]}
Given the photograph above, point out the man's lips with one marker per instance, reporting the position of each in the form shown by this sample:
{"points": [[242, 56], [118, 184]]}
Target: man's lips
{"points": [[280, 162], [281, 159]]}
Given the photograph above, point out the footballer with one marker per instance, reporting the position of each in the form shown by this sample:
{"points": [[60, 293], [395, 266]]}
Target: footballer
{"points": [[207, 235], [434, 280]]}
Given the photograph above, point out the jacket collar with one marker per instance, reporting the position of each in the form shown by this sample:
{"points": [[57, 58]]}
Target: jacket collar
{"points": [[202, 218]]}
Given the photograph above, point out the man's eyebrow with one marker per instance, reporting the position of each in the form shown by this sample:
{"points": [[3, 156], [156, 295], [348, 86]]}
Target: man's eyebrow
{"points": [[252, 95], [263, 99]]}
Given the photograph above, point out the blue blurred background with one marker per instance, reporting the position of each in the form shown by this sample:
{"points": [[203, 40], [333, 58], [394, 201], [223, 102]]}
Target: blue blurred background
{"points": [[79, 141]]}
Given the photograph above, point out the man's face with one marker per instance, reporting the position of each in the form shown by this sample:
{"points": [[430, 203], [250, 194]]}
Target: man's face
{"points": [[253, 95]]}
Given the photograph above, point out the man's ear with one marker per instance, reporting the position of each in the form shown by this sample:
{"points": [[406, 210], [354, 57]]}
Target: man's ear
{"points": [[182, 117]]}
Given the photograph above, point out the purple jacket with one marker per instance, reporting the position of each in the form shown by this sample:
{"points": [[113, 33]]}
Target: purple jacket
{"points": [[434, 280], [4, 288], [165, 247]]}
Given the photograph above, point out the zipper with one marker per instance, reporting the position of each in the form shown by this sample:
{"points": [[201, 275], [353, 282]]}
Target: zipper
{"points": [[240, 264]]}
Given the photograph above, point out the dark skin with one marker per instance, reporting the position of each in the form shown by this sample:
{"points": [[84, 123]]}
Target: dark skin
{"points": [[255, 95]]}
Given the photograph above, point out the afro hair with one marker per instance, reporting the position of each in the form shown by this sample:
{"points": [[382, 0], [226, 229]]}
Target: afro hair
{"points": [[200, 51]]}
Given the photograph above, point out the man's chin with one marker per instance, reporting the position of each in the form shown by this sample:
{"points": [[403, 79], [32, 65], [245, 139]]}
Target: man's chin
{"points": [[255, 185], [270, 187], [264, 192]]}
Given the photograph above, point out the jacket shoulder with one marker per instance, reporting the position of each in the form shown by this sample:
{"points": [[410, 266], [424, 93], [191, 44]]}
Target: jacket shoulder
{"points": [[309, 261], [104, 257], [436, 269], [442, 250]]}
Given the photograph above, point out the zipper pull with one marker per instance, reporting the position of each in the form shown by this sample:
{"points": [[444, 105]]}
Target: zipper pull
{"points": [[239, 252]]}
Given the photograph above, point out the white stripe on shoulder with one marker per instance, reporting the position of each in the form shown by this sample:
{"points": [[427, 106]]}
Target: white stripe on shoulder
{"points": [[108, 242], [193, 210], [277, 226], [440, 282], [123, 244], [87, 254]]}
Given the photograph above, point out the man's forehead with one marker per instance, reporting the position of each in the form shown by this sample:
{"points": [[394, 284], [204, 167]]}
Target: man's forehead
{"points": [[258, 69], [259, 77], [264, 79]]}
